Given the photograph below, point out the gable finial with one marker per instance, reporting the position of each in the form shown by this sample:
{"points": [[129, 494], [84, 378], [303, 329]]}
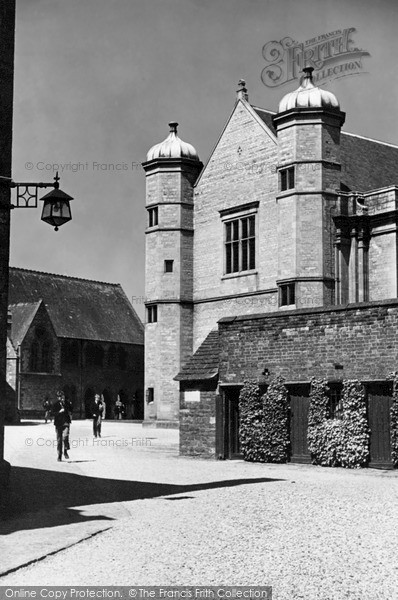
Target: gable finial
{"points": [[241, 92], [173, 127]]}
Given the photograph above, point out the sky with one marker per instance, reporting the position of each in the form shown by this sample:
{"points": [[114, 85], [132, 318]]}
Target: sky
{"points": [[97, 82]]}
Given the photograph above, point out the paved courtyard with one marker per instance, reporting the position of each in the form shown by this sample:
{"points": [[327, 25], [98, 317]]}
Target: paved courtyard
{"points": [[128, 511]]}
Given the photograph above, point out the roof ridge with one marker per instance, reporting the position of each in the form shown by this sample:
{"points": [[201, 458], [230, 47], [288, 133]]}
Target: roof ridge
{"points": [[271, 112], [364, 137], [64, 276], [25, 303]]}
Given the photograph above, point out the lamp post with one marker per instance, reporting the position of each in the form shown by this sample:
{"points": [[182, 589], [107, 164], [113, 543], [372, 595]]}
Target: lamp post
{"points": [[56, 209]]}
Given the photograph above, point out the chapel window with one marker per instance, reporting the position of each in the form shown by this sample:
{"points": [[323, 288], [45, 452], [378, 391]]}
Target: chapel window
{"points": [[240, 244]]}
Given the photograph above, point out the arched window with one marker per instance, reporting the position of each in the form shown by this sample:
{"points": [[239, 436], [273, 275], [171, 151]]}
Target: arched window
{"points": [[94, 355], [70, 352], [88, 401], [34, 356], [112, 356], [98, 356], [41, 352], [46, 358], [70, 394], [122, 359], [89, 354]]}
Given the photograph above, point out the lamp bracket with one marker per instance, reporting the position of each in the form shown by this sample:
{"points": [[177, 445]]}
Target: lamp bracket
{"points": [[27, 193]]}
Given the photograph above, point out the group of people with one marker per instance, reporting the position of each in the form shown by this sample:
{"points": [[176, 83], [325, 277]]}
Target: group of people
{"points": [[61, 410]]}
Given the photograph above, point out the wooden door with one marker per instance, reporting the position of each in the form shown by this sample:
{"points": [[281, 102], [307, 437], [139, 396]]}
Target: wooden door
{"points": [[232, 423], [379, 404], [299, 403]]}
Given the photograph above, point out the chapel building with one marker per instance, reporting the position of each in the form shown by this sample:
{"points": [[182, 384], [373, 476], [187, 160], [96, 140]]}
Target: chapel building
{"points": [[76, 335]]}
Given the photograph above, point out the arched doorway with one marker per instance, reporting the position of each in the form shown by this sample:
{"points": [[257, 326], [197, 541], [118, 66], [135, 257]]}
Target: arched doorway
{"points": [[138, 406], [107, 398], [71, 395], [88, 401], [125, 401]]}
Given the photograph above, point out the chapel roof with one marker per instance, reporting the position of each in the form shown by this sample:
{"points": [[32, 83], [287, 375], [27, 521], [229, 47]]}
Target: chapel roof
{"points": [[22, 315], [78, 308]]}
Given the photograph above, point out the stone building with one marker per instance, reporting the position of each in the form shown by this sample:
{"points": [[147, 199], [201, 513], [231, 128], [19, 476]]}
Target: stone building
{"points": [[279, 256], [81, 336]]}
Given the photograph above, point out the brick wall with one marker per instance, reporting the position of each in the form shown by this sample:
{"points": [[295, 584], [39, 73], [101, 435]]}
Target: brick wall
{"points": [[197, 423], [306, 343]]}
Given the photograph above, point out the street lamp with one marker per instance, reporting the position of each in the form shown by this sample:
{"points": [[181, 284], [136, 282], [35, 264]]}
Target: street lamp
{"points": [[56, 208]]}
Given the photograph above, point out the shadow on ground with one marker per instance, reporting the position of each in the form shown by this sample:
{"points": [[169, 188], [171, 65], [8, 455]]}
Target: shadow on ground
{"points": [[40, 498]]}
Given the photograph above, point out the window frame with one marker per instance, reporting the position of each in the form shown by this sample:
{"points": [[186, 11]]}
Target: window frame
{"points": [[290, 289], [168, 263], [153, 216], [152, 313], [287, 178], [335, 395], [240, 253]]}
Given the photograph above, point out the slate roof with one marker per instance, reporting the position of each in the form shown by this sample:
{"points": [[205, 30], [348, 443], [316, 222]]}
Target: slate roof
{"points": [[203, 365], [359, 155], [266, 116], [78, 308], [22, 316]]}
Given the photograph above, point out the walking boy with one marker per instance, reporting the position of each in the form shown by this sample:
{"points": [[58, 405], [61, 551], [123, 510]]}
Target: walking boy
{"points": [[62, 419]]}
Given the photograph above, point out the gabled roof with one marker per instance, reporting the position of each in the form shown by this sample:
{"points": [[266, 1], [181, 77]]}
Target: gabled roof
{"points": [[203, 365], [266, 116], [22, 315], [367, 164], [79, 308], [264, 120]]}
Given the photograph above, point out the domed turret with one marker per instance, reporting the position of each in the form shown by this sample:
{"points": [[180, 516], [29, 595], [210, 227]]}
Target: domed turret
{"points": [[308, 96], [172, 147]]}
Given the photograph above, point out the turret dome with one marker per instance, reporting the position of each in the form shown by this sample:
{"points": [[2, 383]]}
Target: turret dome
{"points": [[308, 96], [172, 147]]}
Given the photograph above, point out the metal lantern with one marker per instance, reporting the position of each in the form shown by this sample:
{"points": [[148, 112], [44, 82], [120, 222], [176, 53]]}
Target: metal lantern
{"points": [[56, 209]]}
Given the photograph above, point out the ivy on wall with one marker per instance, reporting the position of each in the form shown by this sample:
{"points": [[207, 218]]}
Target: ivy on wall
{"points": [[338, 442], [394, 418], [263, 428], [251, 422], [275, 410]]}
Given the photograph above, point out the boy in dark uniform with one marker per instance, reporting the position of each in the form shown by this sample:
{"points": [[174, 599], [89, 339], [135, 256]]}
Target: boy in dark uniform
{"points": [[62, 419]]}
